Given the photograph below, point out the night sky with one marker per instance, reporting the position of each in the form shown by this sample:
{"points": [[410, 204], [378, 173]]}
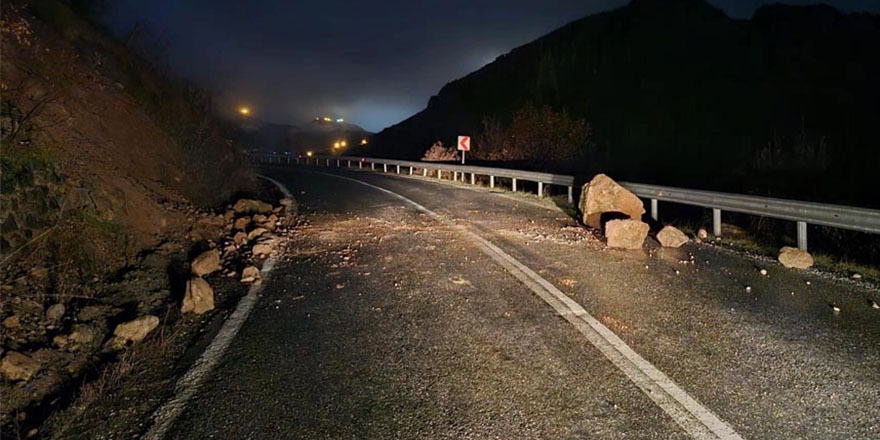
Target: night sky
{"points": [[372, 63]]}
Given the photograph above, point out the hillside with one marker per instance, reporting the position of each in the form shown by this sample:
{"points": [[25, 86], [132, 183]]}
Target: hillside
{"points": [[678, 93], [111, 174]]}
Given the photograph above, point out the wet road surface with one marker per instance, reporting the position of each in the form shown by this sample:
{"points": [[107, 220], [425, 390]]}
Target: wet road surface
{"points": [[382, 322]]}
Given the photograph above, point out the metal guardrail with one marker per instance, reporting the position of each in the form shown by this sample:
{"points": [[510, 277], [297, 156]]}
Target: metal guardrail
{"points": [[803, 213]]}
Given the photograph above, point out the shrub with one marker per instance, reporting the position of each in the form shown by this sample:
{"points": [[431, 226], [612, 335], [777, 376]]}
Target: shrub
{"points": [[535, 134], [439, 153]]}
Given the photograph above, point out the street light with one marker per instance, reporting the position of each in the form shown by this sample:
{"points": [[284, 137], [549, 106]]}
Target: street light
{"points": [[344, 143], [309, 153], [244, 111]]}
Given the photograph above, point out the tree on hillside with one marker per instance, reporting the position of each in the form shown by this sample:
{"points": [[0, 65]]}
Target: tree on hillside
{"points": [[535, 134]]}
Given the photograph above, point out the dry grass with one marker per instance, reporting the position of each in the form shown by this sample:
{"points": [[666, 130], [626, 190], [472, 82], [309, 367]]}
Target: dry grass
{"points": [[117, 376]]}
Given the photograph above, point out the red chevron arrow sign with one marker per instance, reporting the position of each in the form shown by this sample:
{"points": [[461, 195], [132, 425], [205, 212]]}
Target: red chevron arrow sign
{"points": [[464, 143]]}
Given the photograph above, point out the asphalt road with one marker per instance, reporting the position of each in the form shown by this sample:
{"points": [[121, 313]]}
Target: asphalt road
{"points": [[382, 322]]}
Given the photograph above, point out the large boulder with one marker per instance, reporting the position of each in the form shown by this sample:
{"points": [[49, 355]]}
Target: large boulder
{"points": [[17, 366], [250, 206], [604, 195], [199, 297], [626, 234], [671, 237], [795, 258], [206, 263]]}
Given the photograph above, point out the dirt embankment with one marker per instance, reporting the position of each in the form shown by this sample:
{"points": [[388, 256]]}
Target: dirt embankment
{"points": [[113, 177]]}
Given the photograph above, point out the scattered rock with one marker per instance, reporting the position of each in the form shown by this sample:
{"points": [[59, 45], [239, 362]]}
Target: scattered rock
{"points": [[256, 233], [82, 334], [795, 258], [241, 223], [260, 218], [764, 272], [250, 206], [55, 312], [17, 366], [857, 276], [604, 195], [265, 246], [206, 263], [199, 297], [229, 250], [12, 322], [702, 234], [626, 234], [671, 237], [262, 249], [250, 274], [240, 237], [60, 341], [134, 331]]}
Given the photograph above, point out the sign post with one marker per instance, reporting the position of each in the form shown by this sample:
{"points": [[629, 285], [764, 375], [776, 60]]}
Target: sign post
{"points": [[464, 145]]}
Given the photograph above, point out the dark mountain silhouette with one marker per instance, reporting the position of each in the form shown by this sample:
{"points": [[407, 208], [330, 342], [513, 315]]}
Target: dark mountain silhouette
{"points": [[317, 135], [784, 103]]}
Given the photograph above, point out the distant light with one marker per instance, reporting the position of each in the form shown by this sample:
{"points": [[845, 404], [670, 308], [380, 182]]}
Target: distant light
{"points": [[244, 111], [326, 119], [340, 120], [363, 142], [336, 144], [309, 153], [344, 144]]}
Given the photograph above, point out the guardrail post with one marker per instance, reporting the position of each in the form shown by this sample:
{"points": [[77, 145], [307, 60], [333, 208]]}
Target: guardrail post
{"points": [[360, 164], [514, 185], [373, 166], [716, 222], [398, 169], [439, 174], [570, 195], [654, 213], [327, 162], [491, 181], [540, 189], [297, 161], [802, 235], [473, 179], [384, 167], [348, 164], [455, 175], [410, 170], [424, 172]]}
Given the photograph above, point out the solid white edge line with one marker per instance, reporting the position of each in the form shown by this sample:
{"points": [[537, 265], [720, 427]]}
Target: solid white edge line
{"points": [[165, 416], [697, 420]]}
